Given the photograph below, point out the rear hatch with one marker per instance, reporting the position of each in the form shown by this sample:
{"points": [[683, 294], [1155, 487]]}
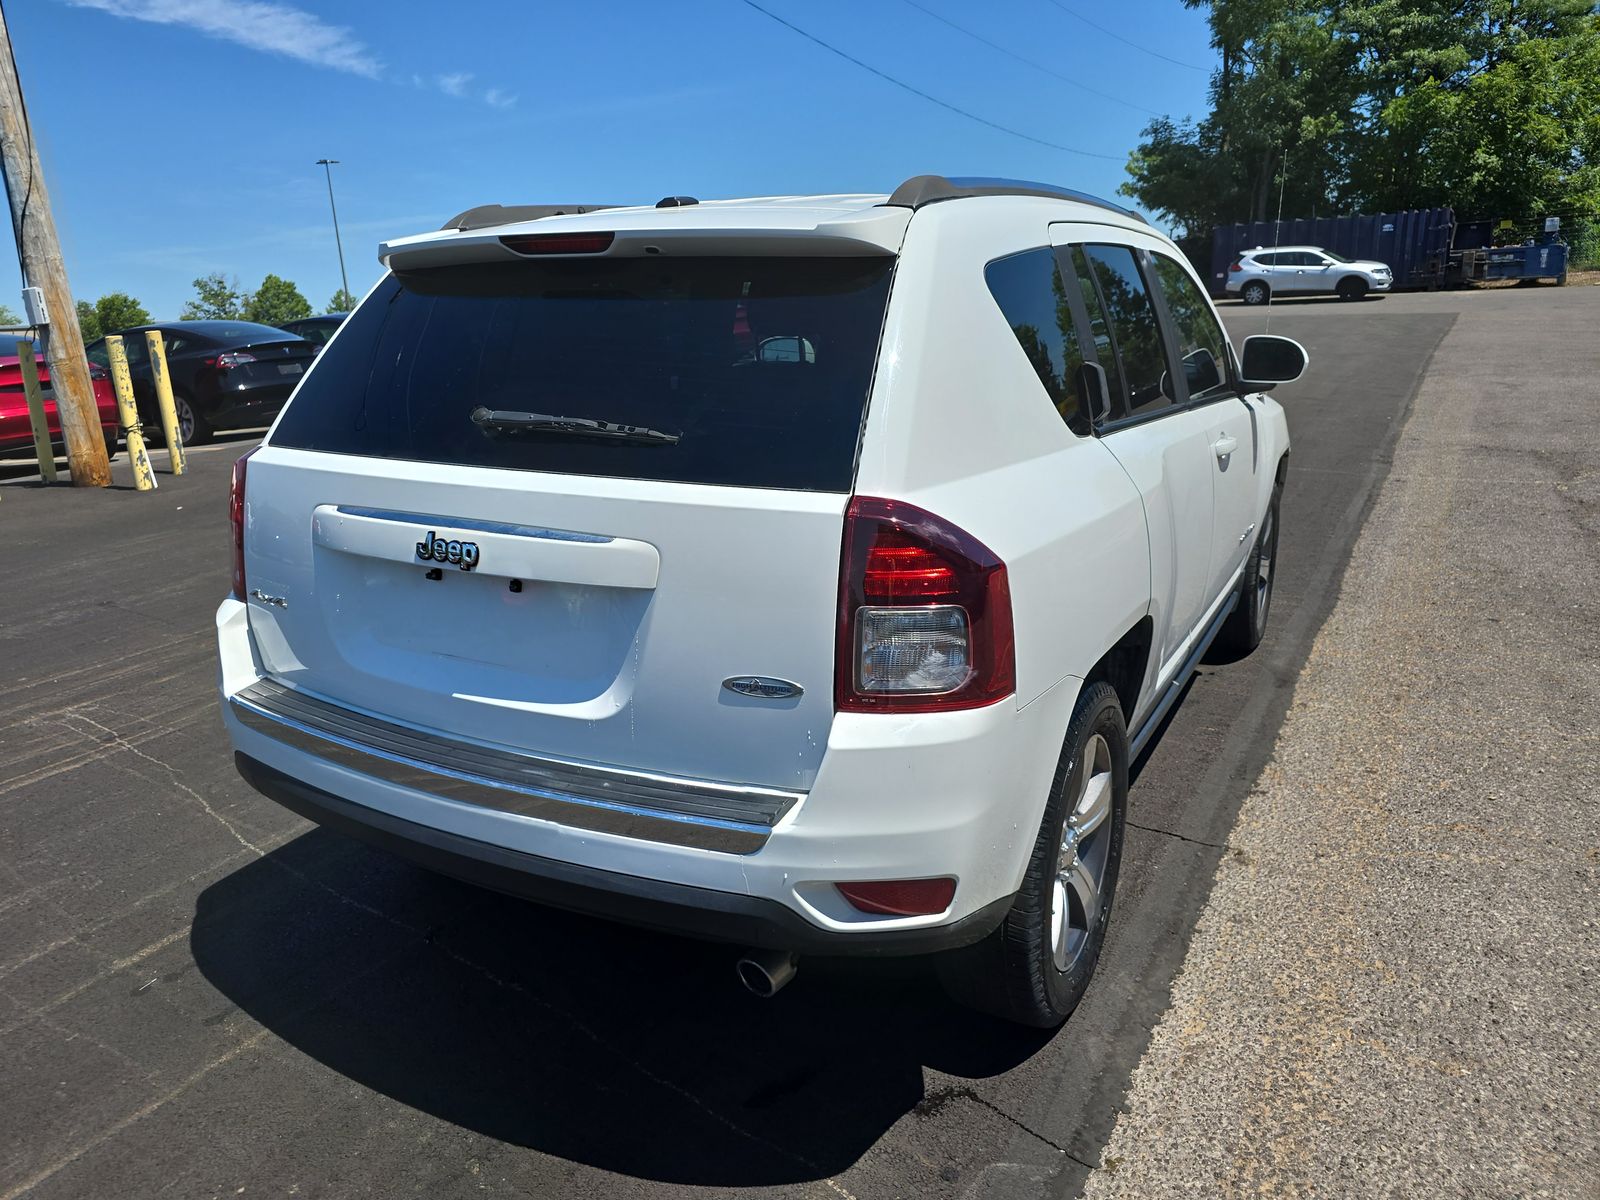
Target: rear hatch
{"points": [[452, 557], [264, 366]]}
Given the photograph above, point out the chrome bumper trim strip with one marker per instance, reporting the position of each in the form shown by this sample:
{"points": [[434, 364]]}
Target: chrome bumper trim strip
{"points": [[706, 815]]}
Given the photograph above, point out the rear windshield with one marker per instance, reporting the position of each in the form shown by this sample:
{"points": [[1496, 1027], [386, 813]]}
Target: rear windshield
{"points": [[758, 367]]}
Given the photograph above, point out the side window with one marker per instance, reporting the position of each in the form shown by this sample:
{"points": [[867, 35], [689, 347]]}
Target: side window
{"points": [[1201, 346], [96, 353], [1266, 260], [1134, 327], [133, 345], [1030, 294], [1099, 327]]}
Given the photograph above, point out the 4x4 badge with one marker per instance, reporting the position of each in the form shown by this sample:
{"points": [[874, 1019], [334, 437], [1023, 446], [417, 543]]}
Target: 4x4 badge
{"points": [[434, 548], [763, 687]]}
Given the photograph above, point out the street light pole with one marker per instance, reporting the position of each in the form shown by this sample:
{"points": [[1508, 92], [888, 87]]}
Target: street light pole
{"points": [[327, 164]]}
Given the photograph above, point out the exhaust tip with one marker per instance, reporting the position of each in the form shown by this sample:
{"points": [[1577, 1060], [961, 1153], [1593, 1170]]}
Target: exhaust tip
{"points": [[765, 973]]}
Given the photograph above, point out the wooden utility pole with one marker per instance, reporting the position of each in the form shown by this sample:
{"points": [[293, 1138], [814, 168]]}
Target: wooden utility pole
{"points": [[40, 254]]}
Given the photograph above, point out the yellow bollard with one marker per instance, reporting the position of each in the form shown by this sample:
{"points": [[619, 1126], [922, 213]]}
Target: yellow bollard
{"points": [[168, 410], [144, 477], [29, 367]]}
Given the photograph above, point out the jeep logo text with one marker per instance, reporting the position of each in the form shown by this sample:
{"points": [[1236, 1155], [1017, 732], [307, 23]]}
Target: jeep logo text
{"points": [[434, 548]]}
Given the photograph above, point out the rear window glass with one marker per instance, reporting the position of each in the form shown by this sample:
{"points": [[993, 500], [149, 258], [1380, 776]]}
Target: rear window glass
{"points": [[758, 367]]}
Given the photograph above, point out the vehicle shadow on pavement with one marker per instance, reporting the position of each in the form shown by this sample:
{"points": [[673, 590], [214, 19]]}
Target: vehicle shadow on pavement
{"points": [[625, 1050]]}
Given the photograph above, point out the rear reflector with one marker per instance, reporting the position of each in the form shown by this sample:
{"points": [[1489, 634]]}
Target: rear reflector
{"points": [[559, 243], [900, 897]]}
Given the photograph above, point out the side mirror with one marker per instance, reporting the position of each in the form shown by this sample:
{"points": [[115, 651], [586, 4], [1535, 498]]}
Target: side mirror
{"points": [[1268, 360], [1096, 393]]}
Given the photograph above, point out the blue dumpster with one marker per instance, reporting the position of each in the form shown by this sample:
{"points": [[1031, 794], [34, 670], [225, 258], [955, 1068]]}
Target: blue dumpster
{"points": [[1546, 260]]}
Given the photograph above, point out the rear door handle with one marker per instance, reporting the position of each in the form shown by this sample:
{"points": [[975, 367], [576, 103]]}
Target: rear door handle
{"points": [[1225, 445]]}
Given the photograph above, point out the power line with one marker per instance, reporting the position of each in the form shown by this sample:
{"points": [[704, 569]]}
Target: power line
{"points": [[1142, 49], [1027, 137], [1066, 79]]}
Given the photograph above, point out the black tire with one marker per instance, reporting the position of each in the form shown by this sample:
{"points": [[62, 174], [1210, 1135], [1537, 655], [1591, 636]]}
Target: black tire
{"points": [[1016, 973], [1352, 288], [193, 428], [112, 441], [1255, 292], [1247, 624]]}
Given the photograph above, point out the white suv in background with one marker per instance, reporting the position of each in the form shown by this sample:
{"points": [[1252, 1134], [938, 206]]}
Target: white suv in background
{"points": [[801, 572], [1257, 275]]}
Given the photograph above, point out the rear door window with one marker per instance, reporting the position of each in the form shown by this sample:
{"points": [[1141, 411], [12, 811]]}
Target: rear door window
{"points": [[1135, 329], [759, 367], [1029, 291]]}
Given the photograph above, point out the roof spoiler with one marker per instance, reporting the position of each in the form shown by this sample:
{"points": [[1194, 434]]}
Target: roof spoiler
{"points": [[486, 215], [921, 190]]}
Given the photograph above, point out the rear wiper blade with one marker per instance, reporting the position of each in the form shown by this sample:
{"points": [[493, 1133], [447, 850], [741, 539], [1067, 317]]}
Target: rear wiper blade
{"points": [[492, 420]]}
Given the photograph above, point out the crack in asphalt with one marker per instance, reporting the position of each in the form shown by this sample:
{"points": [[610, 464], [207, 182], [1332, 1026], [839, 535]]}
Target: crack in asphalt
{"points": [[1182, 837]]}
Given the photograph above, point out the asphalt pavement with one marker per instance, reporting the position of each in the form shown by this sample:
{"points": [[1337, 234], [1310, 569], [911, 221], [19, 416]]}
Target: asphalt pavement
{"points": [[202, 995]]}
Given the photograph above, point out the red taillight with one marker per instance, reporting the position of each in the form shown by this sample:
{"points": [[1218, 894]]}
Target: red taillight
{"points": [[900, 897], [559, 243], [236, 517], [899, 569], [235, 358], [924, 622], [1236, 266]]}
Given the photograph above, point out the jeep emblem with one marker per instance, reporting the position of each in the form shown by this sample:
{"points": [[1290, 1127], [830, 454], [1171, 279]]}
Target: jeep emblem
{"points": [[434, 548], [763, 687]]}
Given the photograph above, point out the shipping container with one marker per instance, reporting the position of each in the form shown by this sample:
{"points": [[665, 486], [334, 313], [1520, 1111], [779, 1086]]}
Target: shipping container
{"points": [[1415, 245]]}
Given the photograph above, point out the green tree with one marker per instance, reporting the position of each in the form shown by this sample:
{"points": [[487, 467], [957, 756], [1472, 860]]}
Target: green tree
{"points": [[216, 298], [341, 301], [88, 321], [1486, 105], [118, 310], [277, 300], [8, 315]]}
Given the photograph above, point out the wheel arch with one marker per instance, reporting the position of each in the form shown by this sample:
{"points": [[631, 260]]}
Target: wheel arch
{"points": [[1126, 665]]}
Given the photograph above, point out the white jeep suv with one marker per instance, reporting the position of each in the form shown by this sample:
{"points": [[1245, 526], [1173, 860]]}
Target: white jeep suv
{"points": [[1258, 275], [801, 572]]}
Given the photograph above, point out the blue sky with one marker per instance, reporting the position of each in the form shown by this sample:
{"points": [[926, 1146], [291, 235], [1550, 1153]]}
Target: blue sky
{"points": [[179, 136]]}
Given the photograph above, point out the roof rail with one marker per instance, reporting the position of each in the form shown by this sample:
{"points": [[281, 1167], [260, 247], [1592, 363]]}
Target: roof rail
{"points": [[486, 215], [930, 189]]}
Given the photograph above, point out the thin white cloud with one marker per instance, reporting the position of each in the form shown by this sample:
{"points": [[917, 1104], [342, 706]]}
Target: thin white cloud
{"points": [[263, 25], [454, 84], [499, 98]]}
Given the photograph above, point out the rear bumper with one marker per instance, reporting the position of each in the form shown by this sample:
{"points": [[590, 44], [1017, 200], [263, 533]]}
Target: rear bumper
{"points": [[906, 797], [667, 907]]}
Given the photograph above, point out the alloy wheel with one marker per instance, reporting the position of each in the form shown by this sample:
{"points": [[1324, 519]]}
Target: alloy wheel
{"points": [[1264, 564], [1077, 900]]}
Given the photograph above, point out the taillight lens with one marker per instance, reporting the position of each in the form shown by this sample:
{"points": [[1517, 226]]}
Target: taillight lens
{"points": [[924, 620], [559, 243], [1236, 266], [236, 517], [236, 358]]}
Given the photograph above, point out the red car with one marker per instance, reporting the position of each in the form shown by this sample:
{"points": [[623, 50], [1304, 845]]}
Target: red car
{"points": [[16, 434]]}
